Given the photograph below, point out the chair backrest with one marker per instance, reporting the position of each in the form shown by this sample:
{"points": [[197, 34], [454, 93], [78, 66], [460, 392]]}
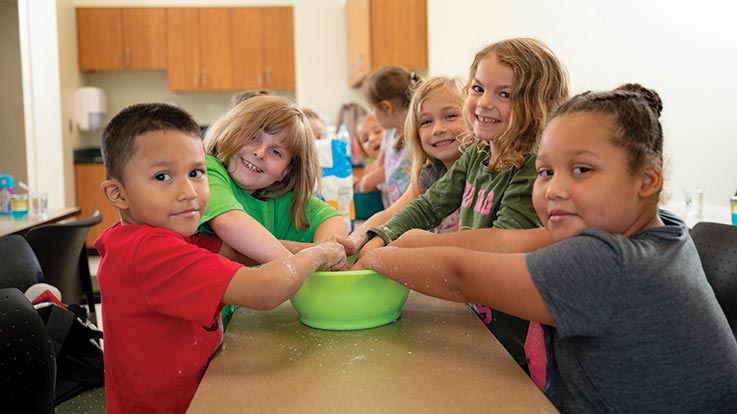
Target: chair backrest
{"points": [[717, 247], [61, 250], [19, 267], [28, 371]]}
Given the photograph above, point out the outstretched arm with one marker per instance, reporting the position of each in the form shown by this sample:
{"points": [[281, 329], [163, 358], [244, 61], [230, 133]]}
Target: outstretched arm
{"points": [[358, 238], [266, 287], [248, 237], [491, 240], [500, 281]]}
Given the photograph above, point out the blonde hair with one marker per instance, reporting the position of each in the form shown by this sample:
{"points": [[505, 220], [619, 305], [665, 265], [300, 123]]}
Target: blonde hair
{"points": [[271, 114], [428, 89], [540, 84], [366, 118]]}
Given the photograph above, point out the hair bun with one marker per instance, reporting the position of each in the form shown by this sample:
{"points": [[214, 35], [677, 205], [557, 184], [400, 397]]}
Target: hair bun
{"points": [[649, 95]]}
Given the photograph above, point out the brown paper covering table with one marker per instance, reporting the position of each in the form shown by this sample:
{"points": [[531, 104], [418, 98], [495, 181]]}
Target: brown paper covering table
{"points": [[437, 358]]}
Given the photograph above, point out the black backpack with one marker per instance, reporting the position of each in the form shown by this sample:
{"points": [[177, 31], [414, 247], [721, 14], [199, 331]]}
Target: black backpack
{"points": [[79, 358]]}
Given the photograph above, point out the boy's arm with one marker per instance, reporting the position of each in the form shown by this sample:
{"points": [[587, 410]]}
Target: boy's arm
{"points": [[371, 180], [490, 240], [500, 281], [266, 287], [247, 236]]}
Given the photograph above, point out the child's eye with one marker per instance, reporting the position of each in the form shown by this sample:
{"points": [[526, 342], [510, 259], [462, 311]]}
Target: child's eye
{"points": [[544, 173], [196, 173], [162, 177], [477, 89], [504, 95], [424, 122], [277, 153], [452, 116], [581, 170]]}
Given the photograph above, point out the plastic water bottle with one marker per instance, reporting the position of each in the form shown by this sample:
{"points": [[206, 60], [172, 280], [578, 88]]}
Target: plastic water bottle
{"points": [[344, 136], [7, 185]]}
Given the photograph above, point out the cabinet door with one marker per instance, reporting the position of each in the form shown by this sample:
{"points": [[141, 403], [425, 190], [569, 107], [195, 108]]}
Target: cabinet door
{"points": [[358, 44], [87, 180], [144, 34], [278, 47], [247, 54], [216, 67], [182, 42], [399, 33], [99, 39]]}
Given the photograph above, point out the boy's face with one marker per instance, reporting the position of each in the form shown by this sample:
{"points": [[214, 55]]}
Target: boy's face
{"points": [[165, 182], [584, 180]]}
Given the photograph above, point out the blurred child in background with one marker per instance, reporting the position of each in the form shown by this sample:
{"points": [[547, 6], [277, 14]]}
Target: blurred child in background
{"points": [[316, 123], [388, 91], [370, 135]]}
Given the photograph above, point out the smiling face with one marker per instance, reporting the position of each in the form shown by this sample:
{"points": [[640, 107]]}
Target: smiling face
{"points": [[370, 134], [440, 124], [488, 104], [261, 162], [165, 184], [584, 180]]}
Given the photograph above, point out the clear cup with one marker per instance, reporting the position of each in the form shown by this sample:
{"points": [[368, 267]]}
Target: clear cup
{"points": [[694, 202], [733, 202], [19, 205], [40, 203]]}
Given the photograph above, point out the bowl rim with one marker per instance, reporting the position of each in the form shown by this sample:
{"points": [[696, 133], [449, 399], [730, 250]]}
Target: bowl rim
{"points": [[339, 273]]}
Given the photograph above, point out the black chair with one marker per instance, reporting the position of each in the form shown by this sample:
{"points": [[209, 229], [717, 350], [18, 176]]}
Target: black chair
{"points": [[61, 250], [717, 247], [19, 267], [28, 371]]}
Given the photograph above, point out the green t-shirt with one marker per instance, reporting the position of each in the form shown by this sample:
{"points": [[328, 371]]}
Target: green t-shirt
{"points": [[272, 213]]}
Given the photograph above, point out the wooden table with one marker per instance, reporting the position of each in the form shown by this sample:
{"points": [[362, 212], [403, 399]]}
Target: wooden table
{"points": [[10, 225], [437, 358]]}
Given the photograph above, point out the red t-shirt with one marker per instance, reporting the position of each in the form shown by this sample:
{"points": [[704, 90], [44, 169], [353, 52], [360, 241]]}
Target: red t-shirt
{"points": [[161, 300]]}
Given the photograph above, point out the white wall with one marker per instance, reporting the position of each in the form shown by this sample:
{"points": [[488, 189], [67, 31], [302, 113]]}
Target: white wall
{"points": [[687, 51], [13, 154]]}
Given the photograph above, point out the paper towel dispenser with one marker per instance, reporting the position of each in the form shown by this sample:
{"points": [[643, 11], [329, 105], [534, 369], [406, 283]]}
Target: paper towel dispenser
{"points": [[90, 108]]}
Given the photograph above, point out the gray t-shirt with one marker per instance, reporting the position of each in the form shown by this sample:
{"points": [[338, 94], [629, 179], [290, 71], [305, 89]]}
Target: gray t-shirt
{"points": [[638, 328]]}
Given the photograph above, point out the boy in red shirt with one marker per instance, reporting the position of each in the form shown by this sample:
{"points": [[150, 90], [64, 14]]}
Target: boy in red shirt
{"points": [[162, 288]]}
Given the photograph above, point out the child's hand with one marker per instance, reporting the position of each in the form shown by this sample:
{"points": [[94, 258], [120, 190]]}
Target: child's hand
{"points": [[333, 256], [372, 244]]}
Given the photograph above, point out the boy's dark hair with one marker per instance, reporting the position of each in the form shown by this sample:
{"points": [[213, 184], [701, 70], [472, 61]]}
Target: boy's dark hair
{"points": [[636, 113], [118, 139]]}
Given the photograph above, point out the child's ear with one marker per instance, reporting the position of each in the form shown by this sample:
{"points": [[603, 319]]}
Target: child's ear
{"points": [[386, 106], [114, 193], [651, 181]]}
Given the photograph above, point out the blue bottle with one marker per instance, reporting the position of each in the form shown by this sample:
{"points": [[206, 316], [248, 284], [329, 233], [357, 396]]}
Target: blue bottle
{"points": [[7, 189]]}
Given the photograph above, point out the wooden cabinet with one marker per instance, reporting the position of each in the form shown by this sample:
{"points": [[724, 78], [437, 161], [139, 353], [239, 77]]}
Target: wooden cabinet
{"points": [[385, 32], [216, 49], [87, 180], [121, 38]]}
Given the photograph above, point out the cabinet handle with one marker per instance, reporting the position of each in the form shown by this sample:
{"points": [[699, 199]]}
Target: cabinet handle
{"points": [[127, 55], [196, 81], [268, 76], [260, 79], [358, 62], [204, 77]]}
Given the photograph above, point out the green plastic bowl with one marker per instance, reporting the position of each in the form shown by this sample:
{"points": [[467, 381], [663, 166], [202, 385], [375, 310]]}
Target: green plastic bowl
{"points": [[349, 300]]}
